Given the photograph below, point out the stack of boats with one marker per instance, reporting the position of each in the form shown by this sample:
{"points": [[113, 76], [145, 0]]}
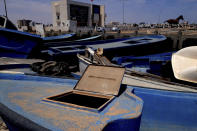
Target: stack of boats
{"points": [[109, 95]]}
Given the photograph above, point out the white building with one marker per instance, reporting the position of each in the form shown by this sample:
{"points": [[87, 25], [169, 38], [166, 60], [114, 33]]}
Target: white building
{"points": [[69, 14]]}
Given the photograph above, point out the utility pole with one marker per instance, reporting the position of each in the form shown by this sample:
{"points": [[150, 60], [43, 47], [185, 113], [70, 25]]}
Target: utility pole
{"points": [[92, 12], [123, 12], [5, 9]]}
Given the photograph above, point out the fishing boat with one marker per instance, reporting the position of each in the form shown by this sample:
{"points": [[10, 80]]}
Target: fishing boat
{"points": [[125, 46], [163, 100], [74, 40], [17, 44], [32, 102], [137, 78], [167, 105], [68, 41]]}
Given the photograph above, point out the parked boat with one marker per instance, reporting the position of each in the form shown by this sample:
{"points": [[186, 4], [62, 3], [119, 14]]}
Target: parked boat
{"points": [[67, 42], [133, 77], [36, 103], [113, 47], [167, 106], [17, 44], [7, 24]]}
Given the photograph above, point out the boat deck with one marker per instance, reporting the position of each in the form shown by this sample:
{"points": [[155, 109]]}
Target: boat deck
{"points": [[24, 95]]}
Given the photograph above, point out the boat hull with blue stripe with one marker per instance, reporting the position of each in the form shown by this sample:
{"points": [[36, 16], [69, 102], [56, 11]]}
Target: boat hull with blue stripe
{"points": [[134, 45], [23, 106], [167, 105], [19, 44]]}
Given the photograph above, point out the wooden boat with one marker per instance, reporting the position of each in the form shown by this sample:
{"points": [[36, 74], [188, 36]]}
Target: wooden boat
{"points": [[17, 44], [111, 48], [167, 106], [69, 41], [42, 103], [85, 41], [74, 40], [137, 78]]}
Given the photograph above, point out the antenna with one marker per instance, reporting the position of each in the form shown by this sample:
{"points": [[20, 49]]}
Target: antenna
{"points": [[5, 9]]}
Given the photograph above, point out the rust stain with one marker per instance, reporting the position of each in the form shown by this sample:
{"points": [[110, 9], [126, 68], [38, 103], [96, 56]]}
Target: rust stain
{"points": [[137, 113], [52, 91], [56, 116], [116, 110]]}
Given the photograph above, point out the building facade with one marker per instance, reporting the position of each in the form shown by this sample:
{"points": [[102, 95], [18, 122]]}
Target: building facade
{"points": [[69, 14]]}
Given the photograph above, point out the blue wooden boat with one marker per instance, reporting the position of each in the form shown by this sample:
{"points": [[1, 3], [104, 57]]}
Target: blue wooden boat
{"points": [[69, 41], [17, 44], [135, 78], [30, 102], [111, 48], [167, 105], [58, 38]]}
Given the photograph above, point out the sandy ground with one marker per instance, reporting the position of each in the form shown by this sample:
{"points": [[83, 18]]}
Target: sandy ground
{"points": [[3, 127]]}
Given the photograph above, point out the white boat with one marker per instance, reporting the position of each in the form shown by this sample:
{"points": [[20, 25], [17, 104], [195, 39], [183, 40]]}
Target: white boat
{"points": [[140, 79]]}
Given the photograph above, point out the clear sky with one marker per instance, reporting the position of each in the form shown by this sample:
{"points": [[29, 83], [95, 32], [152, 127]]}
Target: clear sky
{"points": [[149, 11]]}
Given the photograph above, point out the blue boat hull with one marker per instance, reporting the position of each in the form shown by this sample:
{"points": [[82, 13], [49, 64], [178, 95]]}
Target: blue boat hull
{"points": [[119, 47], [23, 111], [167, 110], [17, 44], [163, 110]]}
